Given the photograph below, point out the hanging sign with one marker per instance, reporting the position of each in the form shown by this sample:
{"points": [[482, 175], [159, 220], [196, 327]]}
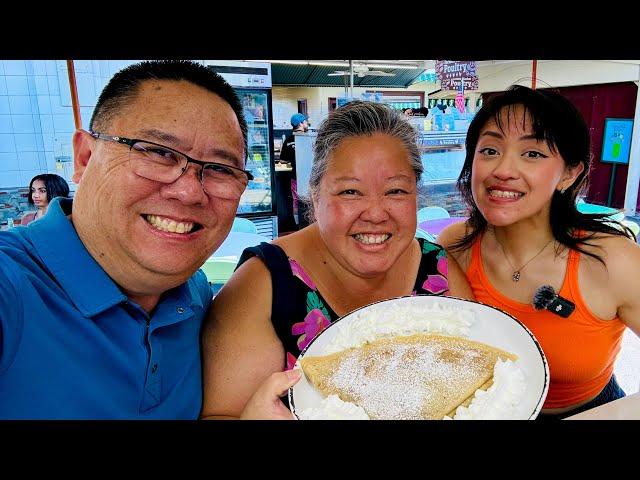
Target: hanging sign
{"points": [[452, 74]]}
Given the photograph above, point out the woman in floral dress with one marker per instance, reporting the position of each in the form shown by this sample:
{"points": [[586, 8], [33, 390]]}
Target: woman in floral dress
{"points": [[360, 249]]}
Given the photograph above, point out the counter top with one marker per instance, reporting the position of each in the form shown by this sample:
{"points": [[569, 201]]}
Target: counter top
{"points": [[626, 408]]}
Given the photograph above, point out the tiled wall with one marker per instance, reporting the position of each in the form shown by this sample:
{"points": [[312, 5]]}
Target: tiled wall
{"points": [[36, 118]]}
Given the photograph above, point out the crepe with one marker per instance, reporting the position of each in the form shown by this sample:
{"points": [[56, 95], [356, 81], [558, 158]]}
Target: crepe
{"points": [[421, 376]]}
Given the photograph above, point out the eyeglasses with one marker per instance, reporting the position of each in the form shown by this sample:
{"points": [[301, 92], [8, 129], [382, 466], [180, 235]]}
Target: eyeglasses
{"points": [[163, 164]]}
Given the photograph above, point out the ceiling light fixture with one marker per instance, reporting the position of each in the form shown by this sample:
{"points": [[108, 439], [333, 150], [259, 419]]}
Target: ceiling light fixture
{"points": [[330, 63]]}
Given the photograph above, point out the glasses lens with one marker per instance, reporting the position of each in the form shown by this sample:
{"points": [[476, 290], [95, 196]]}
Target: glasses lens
{"points": [[224, 182], [156, 163]]}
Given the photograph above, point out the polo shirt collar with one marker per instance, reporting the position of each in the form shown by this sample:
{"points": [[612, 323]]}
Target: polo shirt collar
{"points": [[55, 239], [186, 294]]}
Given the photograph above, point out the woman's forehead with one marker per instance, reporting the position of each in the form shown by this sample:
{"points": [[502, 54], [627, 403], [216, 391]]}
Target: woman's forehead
{"points": [[511, 118]]}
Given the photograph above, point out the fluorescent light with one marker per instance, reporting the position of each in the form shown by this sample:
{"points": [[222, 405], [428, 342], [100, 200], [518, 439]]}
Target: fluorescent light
{"points": [[329, 64], [395, 65], [326, 63], [334, 63], [322, 63], [288, 62]]}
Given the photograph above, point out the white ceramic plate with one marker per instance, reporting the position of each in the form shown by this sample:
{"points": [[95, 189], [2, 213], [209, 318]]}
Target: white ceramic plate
{"points": [[491, 326]]}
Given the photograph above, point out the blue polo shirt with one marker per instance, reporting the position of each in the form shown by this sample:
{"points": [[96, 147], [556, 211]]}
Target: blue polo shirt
{"points": [[72, 346]]}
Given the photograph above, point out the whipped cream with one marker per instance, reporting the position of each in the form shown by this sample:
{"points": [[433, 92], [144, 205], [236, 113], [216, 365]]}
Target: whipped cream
{"points": [[392, 319], [332, 408], [499, 401]]}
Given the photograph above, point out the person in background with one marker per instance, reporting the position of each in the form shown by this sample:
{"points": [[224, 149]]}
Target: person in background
{"points": [[42, 189], [102, 299], [289, 186], [528, 155], [360, 249], [416, 112], [300, 123]]}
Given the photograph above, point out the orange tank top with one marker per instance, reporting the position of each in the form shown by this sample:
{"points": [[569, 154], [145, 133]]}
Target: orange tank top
{"points": [[580, 349]]}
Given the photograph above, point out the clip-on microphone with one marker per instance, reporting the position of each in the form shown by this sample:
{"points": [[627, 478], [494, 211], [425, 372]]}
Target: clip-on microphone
{"points": [[546, 297]]}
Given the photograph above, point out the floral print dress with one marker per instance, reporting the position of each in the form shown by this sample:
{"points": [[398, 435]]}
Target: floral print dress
{"points": [[299, 312]]}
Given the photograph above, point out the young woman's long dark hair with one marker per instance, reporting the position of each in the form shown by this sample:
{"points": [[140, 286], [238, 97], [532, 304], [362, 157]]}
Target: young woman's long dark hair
{"points": [[56, 186], [555, 120]]}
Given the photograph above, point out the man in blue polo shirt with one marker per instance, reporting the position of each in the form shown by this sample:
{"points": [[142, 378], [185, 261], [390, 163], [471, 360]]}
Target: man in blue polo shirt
{"points": [[101, 301]]}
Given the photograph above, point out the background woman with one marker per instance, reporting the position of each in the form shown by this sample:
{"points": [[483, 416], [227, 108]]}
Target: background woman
{"points": [[42, 189]]}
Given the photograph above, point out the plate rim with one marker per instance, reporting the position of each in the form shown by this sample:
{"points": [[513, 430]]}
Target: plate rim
{"points": [[545, 363]]}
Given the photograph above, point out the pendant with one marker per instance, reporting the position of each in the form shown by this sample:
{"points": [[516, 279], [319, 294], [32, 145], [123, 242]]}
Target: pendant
{"points": [[516, 276]]}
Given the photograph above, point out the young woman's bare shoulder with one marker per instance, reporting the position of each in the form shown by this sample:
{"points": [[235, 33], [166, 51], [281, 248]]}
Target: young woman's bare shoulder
{"points": [[452, 234], [617, 251]]}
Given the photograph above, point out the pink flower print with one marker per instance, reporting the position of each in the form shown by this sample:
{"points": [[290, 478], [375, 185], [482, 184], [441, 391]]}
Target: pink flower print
{"points": [[443, 266], [313, 324], [436, 284], [301, 274], [291, 361]]}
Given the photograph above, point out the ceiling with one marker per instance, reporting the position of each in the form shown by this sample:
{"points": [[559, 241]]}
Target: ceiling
{"points": [[310, 75], [314, 73]]}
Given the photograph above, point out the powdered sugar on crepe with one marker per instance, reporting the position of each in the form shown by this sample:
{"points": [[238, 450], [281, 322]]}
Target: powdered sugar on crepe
{"points": [[387, 319]]}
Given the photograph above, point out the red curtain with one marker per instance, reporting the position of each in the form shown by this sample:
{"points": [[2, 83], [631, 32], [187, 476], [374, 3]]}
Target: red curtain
{"points": [[596, 103]]}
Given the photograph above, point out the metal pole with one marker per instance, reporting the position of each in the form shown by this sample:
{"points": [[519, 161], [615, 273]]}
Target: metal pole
{"points": [[633, 173], [74, 94], [351, 78], [533, 74], [612, 184]]}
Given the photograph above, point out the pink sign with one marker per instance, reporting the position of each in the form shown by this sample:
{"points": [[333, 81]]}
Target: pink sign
{"points": [[460, 101]]}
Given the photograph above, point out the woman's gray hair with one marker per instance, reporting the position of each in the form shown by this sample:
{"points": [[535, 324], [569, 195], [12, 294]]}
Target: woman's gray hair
{"points": [[355, 119]]}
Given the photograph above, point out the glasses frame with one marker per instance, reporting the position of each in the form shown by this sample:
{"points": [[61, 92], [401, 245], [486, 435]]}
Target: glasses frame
{"points": [[130, 142]]}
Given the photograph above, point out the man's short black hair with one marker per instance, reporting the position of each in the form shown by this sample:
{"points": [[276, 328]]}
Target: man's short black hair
{"points": [[123, 87]]}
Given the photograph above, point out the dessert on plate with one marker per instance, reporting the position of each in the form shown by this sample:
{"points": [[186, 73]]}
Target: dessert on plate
{"points": [[420, 376]]}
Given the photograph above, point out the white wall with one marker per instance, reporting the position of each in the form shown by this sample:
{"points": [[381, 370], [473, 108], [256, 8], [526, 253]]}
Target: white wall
{"points": [[285, 100], [498, 76]]}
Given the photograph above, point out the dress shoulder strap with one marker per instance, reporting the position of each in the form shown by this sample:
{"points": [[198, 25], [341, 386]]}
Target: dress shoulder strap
{"points": [[282, 283]]}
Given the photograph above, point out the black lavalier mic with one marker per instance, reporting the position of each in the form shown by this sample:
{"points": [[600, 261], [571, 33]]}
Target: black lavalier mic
{"points": [[547, 298]]}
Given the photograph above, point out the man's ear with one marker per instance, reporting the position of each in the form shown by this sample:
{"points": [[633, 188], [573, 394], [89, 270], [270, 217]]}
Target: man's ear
{"points": [[83, 144]]}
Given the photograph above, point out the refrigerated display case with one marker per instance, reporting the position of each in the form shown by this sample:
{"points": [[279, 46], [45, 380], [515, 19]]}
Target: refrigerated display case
{"points": [[442, 155], [252, 83], [258, 198]]}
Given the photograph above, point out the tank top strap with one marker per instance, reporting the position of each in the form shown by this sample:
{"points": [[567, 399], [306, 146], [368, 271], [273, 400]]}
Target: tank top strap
{"points": [[475, 259], [569, 286]]}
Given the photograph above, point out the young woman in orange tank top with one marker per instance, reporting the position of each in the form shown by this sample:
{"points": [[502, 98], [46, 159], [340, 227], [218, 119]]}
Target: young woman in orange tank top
{"points": [[528, 154]]}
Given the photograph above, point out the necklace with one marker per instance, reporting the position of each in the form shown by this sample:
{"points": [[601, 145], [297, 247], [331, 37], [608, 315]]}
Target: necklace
{"points": [[515, 276]]}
